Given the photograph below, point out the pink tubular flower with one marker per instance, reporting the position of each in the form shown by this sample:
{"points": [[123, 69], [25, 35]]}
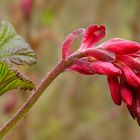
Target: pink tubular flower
{"points": [[117, 58], [92, 35], [68, 42], [120, 46], [105, 68], [115, 89], [26, 6], [83, 67], [126, 94]]}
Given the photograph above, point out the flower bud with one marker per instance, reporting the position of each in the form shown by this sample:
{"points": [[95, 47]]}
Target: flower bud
{"points": [[10, 105], [27, 6]]}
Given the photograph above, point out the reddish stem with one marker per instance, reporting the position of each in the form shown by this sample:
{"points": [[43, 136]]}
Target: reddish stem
{"points": [[59, 68]]}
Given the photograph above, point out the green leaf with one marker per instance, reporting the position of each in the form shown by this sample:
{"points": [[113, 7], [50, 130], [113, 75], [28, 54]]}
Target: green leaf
{"points": [[13, 48], [12, 79]]}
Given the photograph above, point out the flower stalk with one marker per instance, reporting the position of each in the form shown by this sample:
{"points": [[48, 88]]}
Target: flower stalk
{"points": [[20, 114]]}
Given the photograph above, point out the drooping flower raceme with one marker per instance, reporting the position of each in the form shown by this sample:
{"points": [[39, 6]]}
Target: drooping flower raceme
{"points": [[117, 58]]}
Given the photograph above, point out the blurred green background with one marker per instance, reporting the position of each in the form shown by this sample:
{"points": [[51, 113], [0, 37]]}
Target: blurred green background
{"points": [[74, 107]]}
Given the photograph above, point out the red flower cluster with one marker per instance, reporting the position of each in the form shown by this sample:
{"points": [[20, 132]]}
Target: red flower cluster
{"points": [[118, 59]]}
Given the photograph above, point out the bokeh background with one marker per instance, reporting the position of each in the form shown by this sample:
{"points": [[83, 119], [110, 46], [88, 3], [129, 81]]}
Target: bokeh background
{"points": [[74, 107]]}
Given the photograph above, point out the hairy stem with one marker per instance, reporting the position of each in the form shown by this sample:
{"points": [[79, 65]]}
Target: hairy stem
{"points": [[59, 68]]}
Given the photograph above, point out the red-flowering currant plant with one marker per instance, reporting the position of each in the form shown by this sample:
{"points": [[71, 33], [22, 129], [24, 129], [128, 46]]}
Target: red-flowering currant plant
{"points": [[118, 59]]}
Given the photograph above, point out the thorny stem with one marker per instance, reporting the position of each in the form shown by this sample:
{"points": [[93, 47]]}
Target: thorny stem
{"points": [[20, 114]]}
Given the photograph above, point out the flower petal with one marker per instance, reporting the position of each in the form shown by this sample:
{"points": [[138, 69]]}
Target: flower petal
{"points": [[126, 94], [115, 89], [68, 42], [134, 63], [135, 55], [120, 46], [131, 77], [92, 35], [105, 68]]}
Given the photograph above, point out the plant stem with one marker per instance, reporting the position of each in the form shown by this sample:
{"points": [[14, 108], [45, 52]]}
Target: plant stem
{"points": [[59, 68]]}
